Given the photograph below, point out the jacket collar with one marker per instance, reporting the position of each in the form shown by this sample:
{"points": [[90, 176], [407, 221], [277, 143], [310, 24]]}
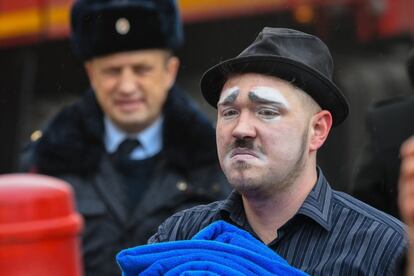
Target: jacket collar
{"points": [[73, 141]]}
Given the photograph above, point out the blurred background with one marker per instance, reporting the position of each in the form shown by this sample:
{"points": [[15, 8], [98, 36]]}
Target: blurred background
{"points": [[369, 40]]}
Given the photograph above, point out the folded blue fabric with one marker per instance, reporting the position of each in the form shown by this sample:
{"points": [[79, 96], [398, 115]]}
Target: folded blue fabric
{"points": [[224, 232], [199, 267], [218, 249], [212, 251]]}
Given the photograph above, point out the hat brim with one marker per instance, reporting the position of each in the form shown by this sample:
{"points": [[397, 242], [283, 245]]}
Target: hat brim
{"points": [[321, 89]]}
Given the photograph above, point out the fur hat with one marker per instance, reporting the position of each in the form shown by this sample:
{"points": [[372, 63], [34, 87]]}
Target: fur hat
{"points": [[101, 27]]}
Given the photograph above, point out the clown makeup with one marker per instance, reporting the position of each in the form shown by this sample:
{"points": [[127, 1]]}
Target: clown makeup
{"points": [[268, 95], [229, 96]]}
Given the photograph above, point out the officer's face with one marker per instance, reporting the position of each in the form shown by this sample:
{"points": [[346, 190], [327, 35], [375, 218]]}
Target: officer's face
{"points": [[131, 87], [262, 133]]}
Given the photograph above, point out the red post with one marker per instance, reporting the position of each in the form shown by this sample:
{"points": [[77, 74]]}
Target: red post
{"points": [[39, 228]]}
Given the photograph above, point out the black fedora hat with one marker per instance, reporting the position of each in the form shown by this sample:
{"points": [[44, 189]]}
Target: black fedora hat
{"points": [[288, 54]]}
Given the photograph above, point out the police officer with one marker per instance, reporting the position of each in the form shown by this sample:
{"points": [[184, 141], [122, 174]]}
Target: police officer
{"points": [[135, 149]]}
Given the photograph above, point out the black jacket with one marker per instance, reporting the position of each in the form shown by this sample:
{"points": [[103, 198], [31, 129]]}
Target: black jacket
{"points": [[186, 174], [376, 173]]}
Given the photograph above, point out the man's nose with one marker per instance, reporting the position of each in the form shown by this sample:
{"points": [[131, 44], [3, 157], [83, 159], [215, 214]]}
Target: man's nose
{"points": [[127, 82], [244, 127]]}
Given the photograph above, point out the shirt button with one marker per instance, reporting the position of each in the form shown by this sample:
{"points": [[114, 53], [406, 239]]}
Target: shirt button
{"points": [[182, 186]]}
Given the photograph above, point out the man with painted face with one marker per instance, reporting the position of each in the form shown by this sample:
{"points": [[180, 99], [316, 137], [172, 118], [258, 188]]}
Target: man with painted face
{"points": [[135, 149], [276, 103]]}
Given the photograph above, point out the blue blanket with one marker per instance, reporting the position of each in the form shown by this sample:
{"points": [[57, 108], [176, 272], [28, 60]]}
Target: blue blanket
{"points": [[218, 249]]}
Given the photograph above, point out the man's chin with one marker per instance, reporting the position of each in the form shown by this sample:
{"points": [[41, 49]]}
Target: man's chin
{"points": [[133, 124], [245, 187]]}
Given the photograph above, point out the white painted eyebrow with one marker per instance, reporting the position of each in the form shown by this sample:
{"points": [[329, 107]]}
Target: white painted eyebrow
{"points": [[267, 95], [229, 95]]}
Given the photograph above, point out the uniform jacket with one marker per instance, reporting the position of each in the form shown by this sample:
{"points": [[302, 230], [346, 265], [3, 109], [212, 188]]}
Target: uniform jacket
{"points": [[376, 173], [187, 174]]}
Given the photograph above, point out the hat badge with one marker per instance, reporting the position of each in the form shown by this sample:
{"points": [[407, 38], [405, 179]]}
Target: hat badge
{"points": [[122, 26]]}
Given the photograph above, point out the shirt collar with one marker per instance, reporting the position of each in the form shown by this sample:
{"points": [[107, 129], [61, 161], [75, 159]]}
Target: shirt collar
{"points": [[150, 138], [232, 209], [317, 205]]}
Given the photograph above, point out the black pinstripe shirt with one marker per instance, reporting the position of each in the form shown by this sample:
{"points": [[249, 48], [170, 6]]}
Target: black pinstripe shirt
{"points": [[332, 233]]}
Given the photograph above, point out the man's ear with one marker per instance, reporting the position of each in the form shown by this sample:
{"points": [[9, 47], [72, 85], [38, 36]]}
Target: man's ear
{"points": [[172, 70], [89, 72], [321, 124]]}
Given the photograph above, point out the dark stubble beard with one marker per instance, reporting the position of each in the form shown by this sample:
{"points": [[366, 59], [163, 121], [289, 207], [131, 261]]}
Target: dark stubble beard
{"points": [[298, 167]]}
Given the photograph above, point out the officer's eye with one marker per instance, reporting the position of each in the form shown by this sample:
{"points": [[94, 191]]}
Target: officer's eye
{"points": [[112, 71], [142, 69]]}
